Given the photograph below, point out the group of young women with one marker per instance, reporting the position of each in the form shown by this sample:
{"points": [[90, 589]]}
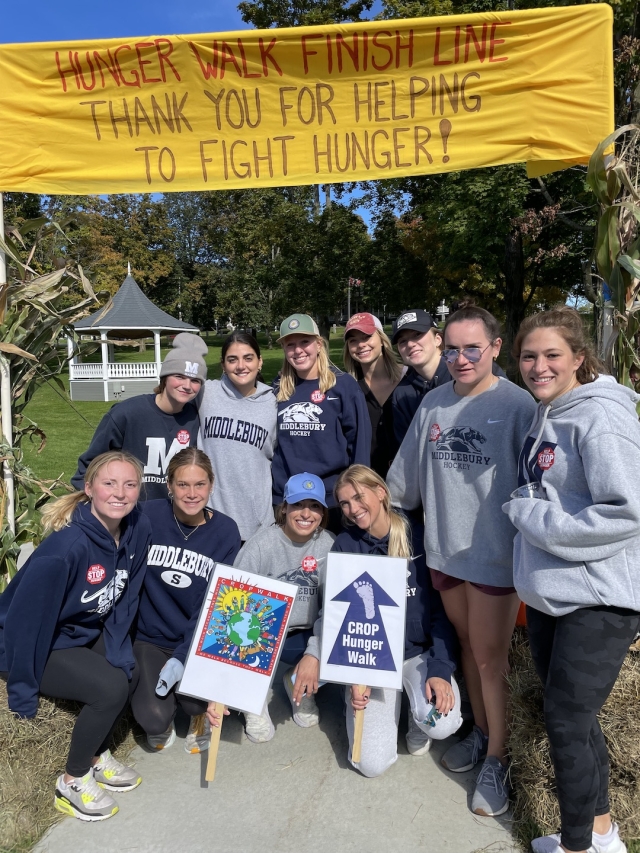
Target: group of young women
{"points": [[491, 498]]}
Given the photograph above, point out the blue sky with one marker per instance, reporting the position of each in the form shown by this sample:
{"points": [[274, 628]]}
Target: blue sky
{"points": [[42, 20]]}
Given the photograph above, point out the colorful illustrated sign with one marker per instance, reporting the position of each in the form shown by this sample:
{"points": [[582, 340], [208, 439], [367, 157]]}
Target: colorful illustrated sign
{"points": [[238, 639], [364, 620], [244, 625], [307, 105]]}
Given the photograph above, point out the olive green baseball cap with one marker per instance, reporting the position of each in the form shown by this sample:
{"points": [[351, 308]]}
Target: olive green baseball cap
{"points": [[298, 324]]}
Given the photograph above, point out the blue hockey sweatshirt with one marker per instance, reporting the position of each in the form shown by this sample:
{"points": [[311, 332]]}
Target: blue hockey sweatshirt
{"points": [[321, 434], [140, 427], [178, 573], [427, 627], [76, 585]]}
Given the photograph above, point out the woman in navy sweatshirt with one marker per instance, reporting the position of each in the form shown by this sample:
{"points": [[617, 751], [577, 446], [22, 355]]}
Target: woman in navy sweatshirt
{"points": [[64, 626], [374, 527], [188, 539], [323, 423]]}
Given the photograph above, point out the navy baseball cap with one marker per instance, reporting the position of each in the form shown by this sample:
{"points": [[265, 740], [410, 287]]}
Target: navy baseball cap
{"points": [[418, 320], [304, 487]]}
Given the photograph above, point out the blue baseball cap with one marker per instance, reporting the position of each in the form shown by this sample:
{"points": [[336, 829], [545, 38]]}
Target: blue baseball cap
{"points": [[304, 487]]}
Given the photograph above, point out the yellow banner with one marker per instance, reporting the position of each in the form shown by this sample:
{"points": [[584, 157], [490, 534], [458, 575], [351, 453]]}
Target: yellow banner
{"points": [[307, 105]]}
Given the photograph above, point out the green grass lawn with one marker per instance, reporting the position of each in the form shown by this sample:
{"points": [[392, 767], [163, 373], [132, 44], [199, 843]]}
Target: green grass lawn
{"points": [[69, 426]]}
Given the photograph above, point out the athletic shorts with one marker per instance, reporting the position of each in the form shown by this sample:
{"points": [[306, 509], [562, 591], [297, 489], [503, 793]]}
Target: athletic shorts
{"points": [[442, 582]]}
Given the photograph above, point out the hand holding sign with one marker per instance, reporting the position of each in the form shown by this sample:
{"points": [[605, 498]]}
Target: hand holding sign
{"points": [[236, 645]]}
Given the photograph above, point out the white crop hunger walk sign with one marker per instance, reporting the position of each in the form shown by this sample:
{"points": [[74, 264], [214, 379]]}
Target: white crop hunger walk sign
{"points": [[363, 623]]}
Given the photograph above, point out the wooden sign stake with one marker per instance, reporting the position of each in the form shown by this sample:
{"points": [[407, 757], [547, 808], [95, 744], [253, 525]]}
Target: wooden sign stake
{"points": [[215, 743], [357, 730]]}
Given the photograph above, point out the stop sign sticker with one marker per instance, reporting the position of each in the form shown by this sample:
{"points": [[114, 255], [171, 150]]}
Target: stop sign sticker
{"points": [[183, 437], [96, 573], [309, 564]]}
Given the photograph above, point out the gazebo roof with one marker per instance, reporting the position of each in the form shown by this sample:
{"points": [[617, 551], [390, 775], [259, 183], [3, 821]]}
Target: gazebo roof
{"points": [[132, 312]]}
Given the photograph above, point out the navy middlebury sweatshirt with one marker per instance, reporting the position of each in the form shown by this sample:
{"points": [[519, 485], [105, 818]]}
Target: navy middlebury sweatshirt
{"points": [[76, 585], [178, 573]]}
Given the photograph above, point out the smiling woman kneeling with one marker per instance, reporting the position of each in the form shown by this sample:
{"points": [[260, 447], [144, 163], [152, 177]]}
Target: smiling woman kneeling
{"points": [[187, 540], [294, 550]]}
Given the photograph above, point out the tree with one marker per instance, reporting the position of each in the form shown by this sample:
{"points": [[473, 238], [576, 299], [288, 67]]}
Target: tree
{"points": [[36, 308]]}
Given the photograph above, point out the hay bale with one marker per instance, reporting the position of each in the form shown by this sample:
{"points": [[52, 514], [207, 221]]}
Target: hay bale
{"points": [[32, 756], [535, 805]]}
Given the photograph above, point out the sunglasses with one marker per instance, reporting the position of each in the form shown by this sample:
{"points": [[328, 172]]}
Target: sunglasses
{"points": [[472, 354]]}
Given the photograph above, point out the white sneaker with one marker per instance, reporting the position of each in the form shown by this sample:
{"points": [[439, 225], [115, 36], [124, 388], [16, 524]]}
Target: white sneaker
{"points": [[551, 844], [418, 743], [258, 727], [199, 736], [306, 714], [163, 741]]}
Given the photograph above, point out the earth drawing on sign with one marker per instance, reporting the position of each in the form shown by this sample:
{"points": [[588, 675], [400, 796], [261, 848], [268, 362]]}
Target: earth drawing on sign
{"points": [[244, 626]]}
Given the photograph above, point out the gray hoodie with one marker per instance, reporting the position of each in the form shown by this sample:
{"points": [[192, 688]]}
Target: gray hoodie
{"points": [[581, 546], [459, 460], [238, 434]]}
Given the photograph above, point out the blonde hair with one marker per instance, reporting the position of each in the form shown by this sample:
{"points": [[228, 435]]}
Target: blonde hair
{"points": [[58, 513], [359, 476], [391, 365], [326, 377]]}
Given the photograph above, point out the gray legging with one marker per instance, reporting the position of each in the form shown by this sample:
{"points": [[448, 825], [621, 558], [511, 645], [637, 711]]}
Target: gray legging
{"points": [[379, 748], [153, 712]]}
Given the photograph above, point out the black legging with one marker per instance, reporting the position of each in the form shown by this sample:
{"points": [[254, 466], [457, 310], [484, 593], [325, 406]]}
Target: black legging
{"points": [[84, 675], [578, 657], [153, 712]]}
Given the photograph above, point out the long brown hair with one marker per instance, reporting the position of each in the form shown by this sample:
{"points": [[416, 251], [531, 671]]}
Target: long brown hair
{"points": [[569, 324], [58, 513], [359, 476]]}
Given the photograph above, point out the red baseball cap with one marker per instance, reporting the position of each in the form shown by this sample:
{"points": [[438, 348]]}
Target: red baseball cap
{"points": [[365, 323]]}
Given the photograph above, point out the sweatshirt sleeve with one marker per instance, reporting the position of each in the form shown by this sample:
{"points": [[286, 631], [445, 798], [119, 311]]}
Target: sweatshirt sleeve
{"points": [[403, 477], [29, 628], [404, 406], [611, 464], [356, 425], [108, 436], [117, 625], [248, 557]]}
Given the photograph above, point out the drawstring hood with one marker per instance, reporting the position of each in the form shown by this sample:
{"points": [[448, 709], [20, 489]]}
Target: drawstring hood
{"points": [[580, 545]]}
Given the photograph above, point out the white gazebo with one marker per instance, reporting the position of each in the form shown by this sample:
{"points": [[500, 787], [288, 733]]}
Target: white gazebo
{"points": [[130, 315]]}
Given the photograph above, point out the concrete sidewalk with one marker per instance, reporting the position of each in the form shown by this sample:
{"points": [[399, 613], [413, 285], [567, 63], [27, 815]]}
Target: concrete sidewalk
{"points": [[297, 792]]}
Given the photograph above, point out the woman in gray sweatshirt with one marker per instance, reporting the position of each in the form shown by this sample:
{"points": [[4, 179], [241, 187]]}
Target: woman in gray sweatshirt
{"points": [[577, 559], [294, 549], [238, 434], [459, 460]]}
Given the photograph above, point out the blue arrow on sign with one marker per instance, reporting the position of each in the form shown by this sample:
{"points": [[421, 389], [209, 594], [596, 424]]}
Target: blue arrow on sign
{"points": [[362, 640]]}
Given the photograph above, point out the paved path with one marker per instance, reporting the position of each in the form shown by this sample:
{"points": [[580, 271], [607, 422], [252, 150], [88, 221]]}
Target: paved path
{"points": [[296, 793]]}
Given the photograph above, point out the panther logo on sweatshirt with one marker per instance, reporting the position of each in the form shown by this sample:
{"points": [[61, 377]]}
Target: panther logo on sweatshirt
{"points": [[301, 413], [108, 595], [458, 447]]}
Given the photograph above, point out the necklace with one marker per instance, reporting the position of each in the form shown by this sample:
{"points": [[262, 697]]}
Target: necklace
{"points": [[185, 536]]}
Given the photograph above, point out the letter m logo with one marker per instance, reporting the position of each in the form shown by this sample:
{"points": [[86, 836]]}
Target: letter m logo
{"points": [[191, 368]]}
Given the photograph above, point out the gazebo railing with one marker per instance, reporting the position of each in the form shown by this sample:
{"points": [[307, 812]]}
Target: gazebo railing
{"points": [[115, 370]]}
